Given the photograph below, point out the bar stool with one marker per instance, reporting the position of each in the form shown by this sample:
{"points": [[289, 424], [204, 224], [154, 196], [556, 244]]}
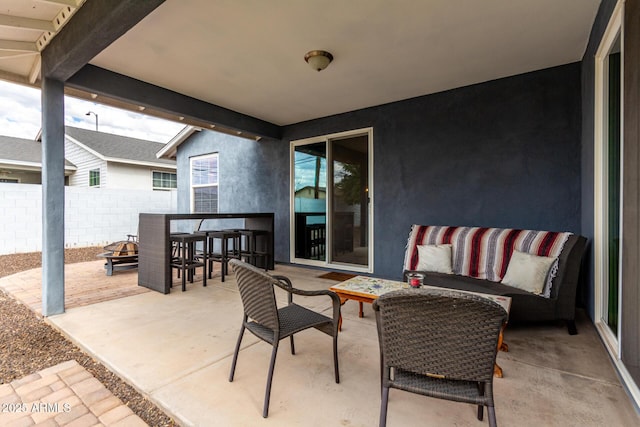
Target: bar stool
{"points": [[250, 250], [227, 252], [185, 260], [175, 250]]}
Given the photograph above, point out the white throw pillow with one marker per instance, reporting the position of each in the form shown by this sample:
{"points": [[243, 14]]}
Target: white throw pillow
{"points": [[528, 272], [436, 258]]}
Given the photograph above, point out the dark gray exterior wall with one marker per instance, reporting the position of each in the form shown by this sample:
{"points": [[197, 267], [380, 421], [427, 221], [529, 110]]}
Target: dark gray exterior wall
{"points": [[505, 153], [587, 294]]}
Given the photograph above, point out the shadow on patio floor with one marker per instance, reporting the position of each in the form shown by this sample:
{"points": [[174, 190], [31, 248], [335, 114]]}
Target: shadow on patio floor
{"points": [[177, 348]]}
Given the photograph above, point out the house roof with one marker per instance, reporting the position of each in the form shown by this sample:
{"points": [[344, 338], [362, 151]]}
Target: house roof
{"points": [[170, 149], [119, 149], [24, 154]]}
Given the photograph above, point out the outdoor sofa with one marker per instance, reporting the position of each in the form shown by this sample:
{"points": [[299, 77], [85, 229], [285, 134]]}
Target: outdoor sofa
{"points": [[480, 258]]}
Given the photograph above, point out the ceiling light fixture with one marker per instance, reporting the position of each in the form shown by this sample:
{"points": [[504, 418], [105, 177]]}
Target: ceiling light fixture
{"points": [[318, 59]]}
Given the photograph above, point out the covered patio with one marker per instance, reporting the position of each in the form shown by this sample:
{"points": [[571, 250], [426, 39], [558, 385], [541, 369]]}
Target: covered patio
{"points": [[176, 349], [491, 115]]}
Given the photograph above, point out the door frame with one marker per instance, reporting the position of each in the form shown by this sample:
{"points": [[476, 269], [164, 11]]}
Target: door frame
{"points": [[328, 262], [614, 29]]}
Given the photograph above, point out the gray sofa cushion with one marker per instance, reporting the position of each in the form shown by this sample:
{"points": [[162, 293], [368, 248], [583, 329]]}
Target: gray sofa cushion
{"points": [[524, 305]]}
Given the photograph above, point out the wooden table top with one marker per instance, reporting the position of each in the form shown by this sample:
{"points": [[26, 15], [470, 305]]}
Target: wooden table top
{"points": [[373, 287]]}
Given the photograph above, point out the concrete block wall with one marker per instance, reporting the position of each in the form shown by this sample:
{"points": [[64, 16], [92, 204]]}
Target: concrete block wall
{"points": [[93, 216]]}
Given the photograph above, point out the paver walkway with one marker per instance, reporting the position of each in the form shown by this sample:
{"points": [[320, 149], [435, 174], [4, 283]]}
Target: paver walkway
{"points": [[62, 395], [86, 284]]}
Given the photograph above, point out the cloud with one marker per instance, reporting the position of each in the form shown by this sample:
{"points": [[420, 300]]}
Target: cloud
{"points": [[20, 110], [20, 116], [305, 171]]}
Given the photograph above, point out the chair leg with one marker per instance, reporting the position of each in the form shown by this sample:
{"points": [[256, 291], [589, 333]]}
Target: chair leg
{"points": [[235, 354], [267, 394], [184, 273], [381, 371], [571, 327], [383, 406], [492, 416], [335, 358], [293, 347], [480, 407]]}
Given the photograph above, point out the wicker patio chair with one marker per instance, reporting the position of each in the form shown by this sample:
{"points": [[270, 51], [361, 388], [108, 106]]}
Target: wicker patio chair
{"points": [[438, 343], [265, 320]]}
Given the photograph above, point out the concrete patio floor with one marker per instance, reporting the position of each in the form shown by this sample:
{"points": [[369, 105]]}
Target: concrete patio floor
{"points": [[176, 349]]}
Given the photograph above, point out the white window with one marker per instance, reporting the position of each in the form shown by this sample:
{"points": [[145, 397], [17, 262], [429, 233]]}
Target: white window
{"points": [[204, 184], [164, 180], [94, 178]]}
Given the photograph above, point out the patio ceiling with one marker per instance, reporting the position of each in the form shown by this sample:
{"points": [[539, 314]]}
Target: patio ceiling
{"points": [[26, 28], [247, 56]]}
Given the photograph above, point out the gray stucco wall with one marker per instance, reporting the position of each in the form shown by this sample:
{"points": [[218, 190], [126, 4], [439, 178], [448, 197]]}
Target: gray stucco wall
{"points": [[253, 177], [505, 153]]}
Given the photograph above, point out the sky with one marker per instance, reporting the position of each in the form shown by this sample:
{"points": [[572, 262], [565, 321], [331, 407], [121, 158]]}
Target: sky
{"points": [[20, 116]]}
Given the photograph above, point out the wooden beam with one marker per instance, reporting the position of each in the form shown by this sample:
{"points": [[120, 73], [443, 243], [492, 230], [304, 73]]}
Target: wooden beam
{"points": [[70, 3], [15, 78], [13, 54], [25, 23], [18, 46], [92, 79], [35, 70], [95, 25]]}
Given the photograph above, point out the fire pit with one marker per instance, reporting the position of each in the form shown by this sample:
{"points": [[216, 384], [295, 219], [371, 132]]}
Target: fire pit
{"points": [[120, 256]]}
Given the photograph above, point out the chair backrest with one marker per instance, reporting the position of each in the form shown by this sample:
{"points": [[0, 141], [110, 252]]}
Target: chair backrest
{"points": [[439, 332], [256, 291]]}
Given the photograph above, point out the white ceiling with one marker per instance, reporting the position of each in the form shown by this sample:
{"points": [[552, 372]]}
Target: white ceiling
{"points": [[26, 28], [248, 55]]}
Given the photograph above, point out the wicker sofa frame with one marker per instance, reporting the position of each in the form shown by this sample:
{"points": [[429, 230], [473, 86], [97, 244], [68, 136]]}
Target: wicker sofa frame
{"points": [[525, 306]]}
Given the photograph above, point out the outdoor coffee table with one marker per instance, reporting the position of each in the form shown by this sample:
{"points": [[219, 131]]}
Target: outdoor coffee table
{"points": [[368, 289]]}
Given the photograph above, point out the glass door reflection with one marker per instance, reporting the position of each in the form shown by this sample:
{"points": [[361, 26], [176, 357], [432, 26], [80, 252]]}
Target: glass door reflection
{"points": [[310, 204], [349, 200]]}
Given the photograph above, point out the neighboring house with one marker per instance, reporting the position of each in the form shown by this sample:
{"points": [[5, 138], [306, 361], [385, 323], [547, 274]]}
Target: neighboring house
{"points": [[112, 161], [92, 159], [21, 161], [309, 192]]}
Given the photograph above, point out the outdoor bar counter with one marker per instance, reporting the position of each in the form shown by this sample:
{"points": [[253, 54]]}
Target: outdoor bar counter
{"points": [[154, 244]]}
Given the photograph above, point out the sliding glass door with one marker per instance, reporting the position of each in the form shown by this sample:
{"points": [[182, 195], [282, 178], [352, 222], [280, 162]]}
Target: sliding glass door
{"points": [[310, 201], [609, 192], [331, 193], [613, 188]]}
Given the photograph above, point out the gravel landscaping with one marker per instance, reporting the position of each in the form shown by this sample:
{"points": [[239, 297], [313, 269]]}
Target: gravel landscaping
{"points": [[28, 344]]}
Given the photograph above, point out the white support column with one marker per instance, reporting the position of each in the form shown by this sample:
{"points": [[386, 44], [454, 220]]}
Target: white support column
{"points": [[52, 197]]}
